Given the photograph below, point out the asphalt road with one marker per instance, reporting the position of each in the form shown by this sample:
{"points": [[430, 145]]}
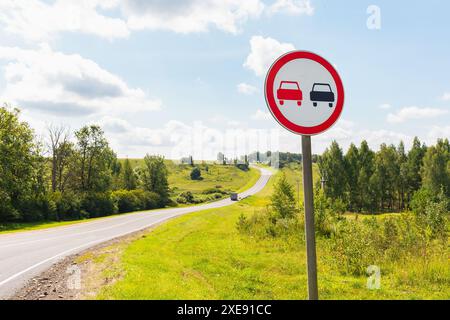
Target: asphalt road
{"points": [[25, 255]]}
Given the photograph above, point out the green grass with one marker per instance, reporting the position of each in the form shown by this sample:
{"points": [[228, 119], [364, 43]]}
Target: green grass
{"points": [[227, 177], [202, 256]]}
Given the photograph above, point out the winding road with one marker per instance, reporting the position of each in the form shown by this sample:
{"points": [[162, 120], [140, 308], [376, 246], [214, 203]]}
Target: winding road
{"points": [[24, 255]]}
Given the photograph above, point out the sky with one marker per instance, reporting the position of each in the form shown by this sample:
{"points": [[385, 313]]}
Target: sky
{"points": [[186, 77]]}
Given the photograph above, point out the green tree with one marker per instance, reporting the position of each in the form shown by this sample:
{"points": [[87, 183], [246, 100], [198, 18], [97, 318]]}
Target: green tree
{"points": [[366, 159], [384, 178], [196, 174], [154, 177], [129, 180], [402, 180], [352, 169], [435, 173], [332, 169], [413, 166], [22, 168], [95, 160], [283, 199]]}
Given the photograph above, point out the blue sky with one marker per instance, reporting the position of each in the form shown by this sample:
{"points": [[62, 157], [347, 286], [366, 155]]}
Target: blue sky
{"points": [[153, 72]]}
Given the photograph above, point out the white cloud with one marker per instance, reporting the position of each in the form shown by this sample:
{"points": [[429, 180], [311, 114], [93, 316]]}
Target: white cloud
{"points": [[246, 88], [412, 113], [40, 21], [263, 52], [385, 106], [67, 85], [292, 7], [261, 115], [446, 96], [437, 132], [185, 16]]}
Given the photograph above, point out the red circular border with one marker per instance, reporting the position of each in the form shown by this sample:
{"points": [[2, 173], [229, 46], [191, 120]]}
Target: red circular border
{"points": [[271, 103]]}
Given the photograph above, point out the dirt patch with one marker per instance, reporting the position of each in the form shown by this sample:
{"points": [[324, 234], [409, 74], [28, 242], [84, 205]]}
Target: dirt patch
{"points": [[80, 276]]}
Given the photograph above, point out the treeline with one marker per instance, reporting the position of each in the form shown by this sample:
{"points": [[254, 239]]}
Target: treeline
{"points": [[386, 180], [67, 179]]}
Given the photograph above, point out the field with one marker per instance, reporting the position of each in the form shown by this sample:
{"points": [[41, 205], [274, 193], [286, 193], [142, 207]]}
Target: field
{"points": [[203, 256], [228, 178]]}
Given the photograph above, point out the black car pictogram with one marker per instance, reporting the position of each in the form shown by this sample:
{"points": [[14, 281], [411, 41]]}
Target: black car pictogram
{"points": [[321, 92]]}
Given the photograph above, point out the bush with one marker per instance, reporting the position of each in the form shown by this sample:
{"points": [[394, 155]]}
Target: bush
{"points": [[214, 190], [39, 208], [283, 200], [129, 200], [68, 206], [99, 204], [136, 200], [186, 197], [196, 174]]}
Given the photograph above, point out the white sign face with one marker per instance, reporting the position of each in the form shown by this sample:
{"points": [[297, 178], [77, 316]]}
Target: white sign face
{"points": [[304, 93]]}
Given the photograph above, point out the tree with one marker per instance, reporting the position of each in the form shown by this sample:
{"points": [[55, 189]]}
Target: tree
{"points": [[154, 177], [366, 158], [129, 181], [435, 173], [332, 169], [383, 180], [283, 199], [22, 168], [62, 151], [352, 169], [402, 180], [413, 166], [196, 174], [95, 160]]}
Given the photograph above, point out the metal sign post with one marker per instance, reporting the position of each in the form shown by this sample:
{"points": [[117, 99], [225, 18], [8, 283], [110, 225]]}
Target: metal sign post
{"points": [[309, 219], [305, 95]]}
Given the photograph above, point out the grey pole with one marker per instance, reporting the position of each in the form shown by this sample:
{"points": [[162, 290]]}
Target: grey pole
{"points": [[309, 219]]}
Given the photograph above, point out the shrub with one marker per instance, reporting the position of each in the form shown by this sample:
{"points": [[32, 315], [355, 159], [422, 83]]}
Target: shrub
{"points": [[196, 174], [214, 190], [129, 200], [283, 200], [68, 206], [186, 197], [99, 204], [41, 207]]}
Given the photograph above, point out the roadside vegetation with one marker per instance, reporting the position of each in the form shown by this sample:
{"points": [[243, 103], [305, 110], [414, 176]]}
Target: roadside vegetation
{"points": [[75, 176], [255, 250], [394, 239]]}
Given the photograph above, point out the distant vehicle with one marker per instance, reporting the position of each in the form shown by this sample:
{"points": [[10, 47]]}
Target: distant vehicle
{"points": [[234, 196], [321, 92], [289, 90]]}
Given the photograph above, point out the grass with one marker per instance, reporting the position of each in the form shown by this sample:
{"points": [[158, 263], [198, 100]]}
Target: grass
{"points": [[227, 177], [203, 256]]}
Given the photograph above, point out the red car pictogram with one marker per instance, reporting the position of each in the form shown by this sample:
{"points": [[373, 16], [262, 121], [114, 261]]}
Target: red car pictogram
{"points": [[289, 90]]}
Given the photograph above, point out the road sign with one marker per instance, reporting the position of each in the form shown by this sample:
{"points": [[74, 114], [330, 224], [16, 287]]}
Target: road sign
{"points": [[305, 95], [304, 92]]}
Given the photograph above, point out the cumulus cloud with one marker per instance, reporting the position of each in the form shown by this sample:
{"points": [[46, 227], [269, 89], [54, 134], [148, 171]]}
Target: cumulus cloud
{"points": [[184, 16], [40, 21], [263, 51], [58, 83], [413, 113], [385, 106], [446, 96], [292, 7], [245, 88], [438, 132], [261, 115]]}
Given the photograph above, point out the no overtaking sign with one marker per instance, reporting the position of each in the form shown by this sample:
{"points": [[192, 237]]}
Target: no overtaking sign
{"points": [[305, 95]]}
